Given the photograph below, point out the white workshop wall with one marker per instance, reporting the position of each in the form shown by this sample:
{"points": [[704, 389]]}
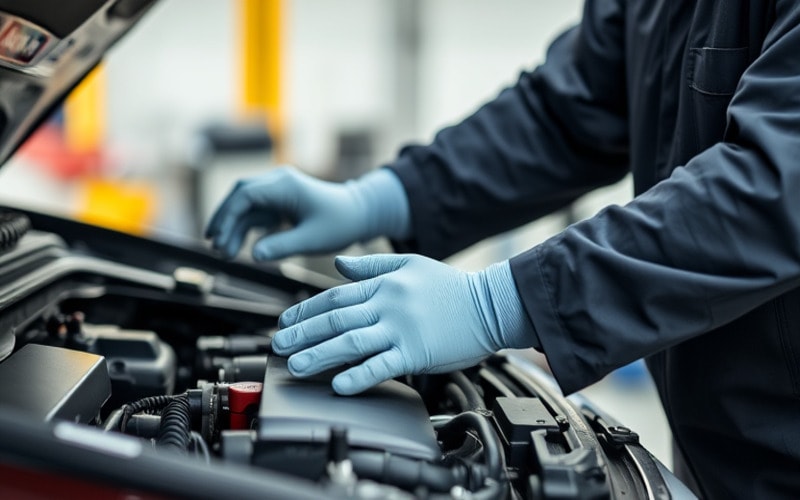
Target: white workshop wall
{"points": [[473, 48], [178, 68]]}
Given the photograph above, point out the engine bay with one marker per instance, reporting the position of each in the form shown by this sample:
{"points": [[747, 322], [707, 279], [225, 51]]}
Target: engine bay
{"points": [[168, 349]]}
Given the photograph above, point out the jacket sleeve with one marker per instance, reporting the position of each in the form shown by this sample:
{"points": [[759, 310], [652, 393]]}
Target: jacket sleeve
{"points": [[558, 133], [718, 238]]}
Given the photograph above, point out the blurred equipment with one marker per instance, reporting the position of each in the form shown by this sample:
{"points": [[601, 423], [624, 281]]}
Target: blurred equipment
{"points": [[221, 154]]}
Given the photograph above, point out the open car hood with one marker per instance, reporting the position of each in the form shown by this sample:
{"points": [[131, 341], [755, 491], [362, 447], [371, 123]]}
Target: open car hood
{"points": [[45, 51]]}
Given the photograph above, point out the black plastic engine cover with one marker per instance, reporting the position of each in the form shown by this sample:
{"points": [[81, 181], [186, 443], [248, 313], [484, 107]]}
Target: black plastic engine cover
{"points": [[53, 383], [390, 417]]}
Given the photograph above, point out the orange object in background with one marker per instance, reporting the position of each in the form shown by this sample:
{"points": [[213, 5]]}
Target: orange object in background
{"points": [[117, 204]]}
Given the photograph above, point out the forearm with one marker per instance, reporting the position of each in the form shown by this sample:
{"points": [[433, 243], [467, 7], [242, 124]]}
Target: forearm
{"points": [[716, 240]]}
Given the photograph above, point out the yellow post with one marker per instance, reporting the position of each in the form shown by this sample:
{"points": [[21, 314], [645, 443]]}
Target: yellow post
{"points": [[261, 48], [85, 114], [113, 203]]}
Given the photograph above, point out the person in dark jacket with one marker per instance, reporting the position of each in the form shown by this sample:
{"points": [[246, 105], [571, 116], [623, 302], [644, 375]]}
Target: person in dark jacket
{"points": [[700, 273]]}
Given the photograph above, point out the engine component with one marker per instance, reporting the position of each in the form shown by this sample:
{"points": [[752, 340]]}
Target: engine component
{"points": [[241, 401], [139, 363], [54, 383], [13, 226], [339, 468], [216, 357], [243, 368], [176, 425], [389, 417], [517, 418]]}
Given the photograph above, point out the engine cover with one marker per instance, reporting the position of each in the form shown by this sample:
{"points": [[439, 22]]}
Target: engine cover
{"points": [[389, 417], [48, 383]]}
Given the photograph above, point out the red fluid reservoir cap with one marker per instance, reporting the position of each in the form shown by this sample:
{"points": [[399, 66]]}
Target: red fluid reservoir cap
{"points": [[243, 395]]}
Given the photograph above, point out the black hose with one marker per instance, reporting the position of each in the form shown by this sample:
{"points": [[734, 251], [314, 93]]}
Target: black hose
{"points": [[407, 473], [13, 227], [451, 434], [453, 393], [149, 404], [474, 399], [176, 425], [143, 425], [200, 446]]}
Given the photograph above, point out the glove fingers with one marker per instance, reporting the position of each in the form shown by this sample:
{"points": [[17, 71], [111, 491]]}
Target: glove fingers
{"points": [[213, 227], [231, 243], [350, 347], [270, 193], [386, 365], [338, 297], [370, 266], [236, 204], [303, 238], [322, 327]]}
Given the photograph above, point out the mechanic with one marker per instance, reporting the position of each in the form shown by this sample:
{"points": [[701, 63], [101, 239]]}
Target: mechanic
{"points": [[699, 273]]}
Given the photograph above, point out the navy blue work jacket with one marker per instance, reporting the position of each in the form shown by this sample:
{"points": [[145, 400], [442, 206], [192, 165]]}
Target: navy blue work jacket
{"points": [[700, 272]]}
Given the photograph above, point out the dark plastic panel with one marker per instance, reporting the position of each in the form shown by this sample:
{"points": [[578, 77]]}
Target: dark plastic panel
{"points": [[50, 383], [389, 417]]}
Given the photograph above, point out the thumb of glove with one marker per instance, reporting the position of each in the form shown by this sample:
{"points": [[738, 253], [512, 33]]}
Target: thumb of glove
{"points": [[370, 266]]}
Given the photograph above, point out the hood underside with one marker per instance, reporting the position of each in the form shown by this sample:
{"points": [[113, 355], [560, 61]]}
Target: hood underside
{"points": [[46, 48]]}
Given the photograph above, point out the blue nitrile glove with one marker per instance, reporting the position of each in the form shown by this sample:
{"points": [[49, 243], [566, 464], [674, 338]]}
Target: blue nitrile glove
{"points": [[403, 314], [325, 216]]}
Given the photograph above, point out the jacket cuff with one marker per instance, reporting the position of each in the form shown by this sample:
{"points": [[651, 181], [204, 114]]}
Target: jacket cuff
{"points": [[529, 271]]}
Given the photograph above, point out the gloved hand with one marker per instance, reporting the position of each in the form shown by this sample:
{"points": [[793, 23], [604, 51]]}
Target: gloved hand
{"points": [[403, 314], [326, 216]]}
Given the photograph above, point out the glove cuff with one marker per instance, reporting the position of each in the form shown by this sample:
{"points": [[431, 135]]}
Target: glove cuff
{"points": [[384, 204], [502, 307]]}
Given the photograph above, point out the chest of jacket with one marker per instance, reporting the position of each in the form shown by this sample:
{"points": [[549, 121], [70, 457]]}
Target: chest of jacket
{"points": [[684, 60]]}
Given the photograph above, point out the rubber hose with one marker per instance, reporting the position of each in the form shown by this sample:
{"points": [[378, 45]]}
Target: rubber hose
{"points": [[13, 227], [452, 433], [476, 402], [151, 403], [453, 393], [406, 472], [176, 426]]}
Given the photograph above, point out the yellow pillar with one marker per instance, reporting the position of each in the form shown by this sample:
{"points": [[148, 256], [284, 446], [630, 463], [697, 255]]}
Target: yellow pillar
{"points": [[85, 114], [123, 205], [261, 28], [261, 51]]}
